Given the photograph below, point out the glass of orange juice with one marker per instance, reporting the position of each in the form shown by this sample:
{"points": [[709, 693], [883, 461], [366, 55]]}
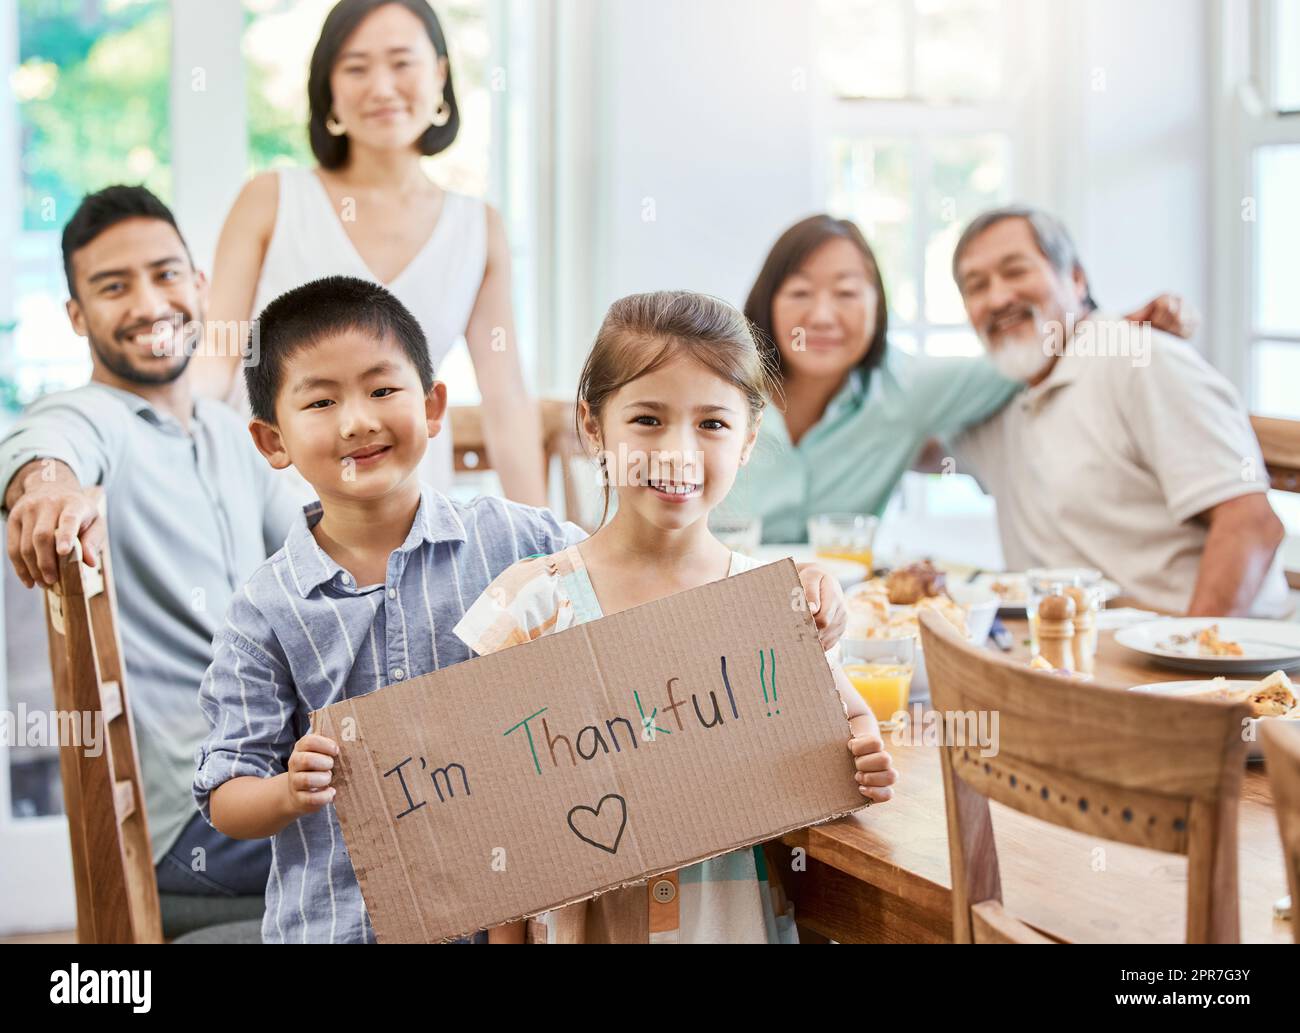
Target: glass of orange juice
{"points": [[881, 670], [844, 536]]}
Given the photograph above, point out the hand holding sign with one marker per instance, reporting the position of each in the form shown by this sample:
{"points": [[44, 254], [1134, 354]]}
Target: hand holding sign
{"points": [[310, 773]]}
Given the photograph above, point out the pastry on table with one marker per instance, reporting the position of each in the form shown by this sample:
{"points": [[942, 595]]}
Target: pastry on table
{"points": [[909, 585]]}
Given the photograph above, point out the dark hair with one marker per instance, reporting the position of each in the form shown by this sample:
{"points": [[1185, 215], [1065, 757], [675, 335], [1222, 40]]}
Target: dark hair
{"points": [[787, 257], [641, 332], [340, 23], [301, 317], [103, 210], [1049, 233]]}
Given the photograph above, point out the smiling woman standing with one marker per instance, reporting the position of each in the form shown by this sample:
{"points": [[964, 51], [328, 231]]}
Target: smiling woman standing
{"points": [[381, 98]]}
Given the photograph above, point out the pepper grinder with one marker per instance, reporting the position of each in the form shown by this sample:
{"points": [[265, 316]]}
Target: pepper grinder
{"points": [[1056, 631]]}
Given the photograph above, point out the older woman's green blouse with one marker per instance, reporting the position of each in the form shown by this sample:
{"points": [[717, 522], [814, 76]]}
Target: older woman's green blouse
{"points": [[869, 436]]}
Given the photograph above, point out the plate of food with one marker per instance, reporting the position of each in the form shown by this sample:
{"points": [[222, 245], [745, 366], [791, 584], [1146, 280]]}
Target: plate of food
{"points": [[1217, 645], [1272, 698], [890, 607], [1012, 590]]}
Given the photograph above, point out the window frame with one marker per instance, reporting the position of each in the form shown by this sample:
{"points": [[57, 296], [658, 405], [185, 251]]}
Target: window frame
{"points": [[1244, 123], [922, 124]]}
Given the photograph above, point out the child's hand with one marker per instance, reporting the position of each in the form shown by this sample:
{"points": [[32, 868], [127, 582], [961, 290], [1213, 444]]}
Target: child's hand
{"points": [[311, 769], [875, 767], [825, 600]]}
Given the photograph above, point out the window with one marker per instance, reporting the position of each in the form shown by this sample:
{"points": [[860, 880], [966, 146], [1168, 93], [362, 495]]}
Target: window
{"points": [[920, 143], [1284, 56], [1258, 237], [92, 87], [912, 49], [1275, 336], [1270, 210]]}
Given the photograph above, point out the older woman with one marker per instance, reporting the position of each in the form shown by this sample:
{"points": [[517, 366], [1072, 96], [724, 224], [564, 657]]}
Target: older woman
{"points": [[857, 414], [381, 97]]}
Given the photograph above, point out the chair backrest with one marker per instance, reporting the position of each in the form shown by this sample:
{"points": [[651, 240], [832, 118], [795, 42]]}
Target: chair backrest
{"points": [[117, 890], [1281, 740], [559, 441], [1151, 771], [1279, 441]]}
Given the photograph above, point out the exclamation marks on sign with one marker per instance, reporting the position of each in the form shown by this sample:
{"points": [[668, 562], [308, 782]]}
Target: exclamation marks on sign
{"points": [[763, 675]]}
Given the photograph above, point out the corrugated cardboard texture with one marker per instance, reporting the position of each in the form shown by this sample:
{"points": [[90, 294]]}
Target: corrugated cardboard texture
{"points": [[455, 821]]}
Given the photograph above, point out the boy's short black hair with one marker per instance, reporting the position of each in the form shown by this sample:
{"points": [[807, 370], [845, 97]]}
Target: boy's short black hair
{"points": [[303, 316], [106, 208]]}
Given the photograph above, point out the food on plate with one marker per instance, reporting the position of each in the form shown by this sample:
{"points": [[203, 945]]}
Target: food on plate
{"points": [[1209, 643], [907, 586], [1206, 642], [874, 611], [1273, 697], [1010, 591]]}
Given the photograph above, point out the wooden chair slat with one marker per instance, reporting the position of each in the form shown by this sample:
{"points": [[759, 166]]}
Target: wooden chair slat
{"points": [[110, 694], [1141, 769], [1132, 816], [1279, 441], [992, 924], [124, 798], [1281, 741], [117, 890]]}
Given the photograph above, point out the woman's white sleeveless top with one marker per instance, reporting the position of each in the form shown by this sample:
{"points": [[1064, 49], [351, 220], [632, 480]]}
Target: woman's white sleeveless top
{"points": [[439, 285]]}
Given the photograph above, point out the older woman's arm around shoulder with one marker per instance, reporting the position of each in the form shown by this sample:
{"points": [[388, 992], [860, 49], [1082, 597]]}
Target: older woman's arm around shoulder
{"points": [[241, 249], [511, 425]]}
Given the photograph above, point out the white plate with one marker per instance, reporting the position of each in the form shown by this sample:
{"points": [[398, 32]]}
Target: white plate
{"points": [[1267, 645], [1016, 608], [1196, 688], [846, 572]]}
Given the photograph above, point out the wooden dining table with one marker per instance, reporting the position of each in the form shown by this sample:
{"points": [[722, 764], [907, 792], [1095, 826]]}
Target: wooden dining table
{"points": [[882, 875]]}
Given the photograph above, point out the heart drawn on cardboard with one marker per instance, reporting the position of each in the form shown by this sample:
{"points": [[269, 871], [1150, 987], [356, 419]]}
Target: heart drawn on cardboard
{"points": [[601, 829]]}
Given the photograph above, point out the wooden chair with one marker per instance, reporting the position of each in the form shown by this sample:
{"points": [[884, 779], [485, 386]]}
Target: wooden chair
{"points": [[116, 887], [1279, 440], [1281, 741], [559, 441], [1145, 770]]}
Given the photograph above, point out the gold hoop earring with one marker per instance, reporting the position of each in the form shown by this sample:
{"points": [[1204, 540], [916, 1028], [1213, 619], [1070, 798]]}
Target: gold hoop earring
{"points": [[334, 127], [442, 113]]}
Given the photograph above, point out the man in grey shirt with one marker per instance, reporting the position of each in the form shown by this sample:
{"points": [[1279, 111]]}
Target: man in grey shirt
{"points": [[192, 509]]}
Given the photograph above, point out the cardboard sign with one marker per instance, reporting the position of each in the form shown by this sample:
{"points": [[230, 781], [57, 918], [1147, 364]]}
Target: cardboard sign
{"points": [[603, 755]]}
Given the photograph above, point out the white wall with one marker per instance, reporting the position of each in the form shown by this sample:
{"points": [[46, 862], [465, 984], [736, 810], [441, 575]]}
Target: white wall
{"points": [[1139, 179], [209, 132], [704, 120]]}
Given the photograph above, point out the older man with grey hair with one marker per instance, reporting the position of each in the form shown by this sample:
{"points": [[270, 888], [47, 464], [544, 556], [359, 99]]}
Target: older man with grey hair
{"points": [[1126, 452]]}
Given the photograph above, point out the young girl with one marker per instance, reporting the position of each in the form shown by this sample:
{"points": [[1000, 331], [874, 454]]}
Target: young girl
{"points": [[670, 400]]}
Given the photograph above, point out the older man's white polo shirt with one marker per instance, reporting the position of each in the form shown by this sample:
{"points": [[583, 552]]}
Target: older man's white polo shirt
{"points": [[1109, 460]]}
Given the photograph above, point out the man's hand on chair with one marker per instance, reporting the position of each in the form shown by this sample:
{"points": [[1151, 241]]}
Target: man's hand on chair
{"points": [[45, 520]]}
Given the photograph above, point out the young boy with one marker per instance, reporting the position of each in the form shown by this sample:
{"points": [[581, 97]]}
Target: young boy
{"points": [[365, 591]]}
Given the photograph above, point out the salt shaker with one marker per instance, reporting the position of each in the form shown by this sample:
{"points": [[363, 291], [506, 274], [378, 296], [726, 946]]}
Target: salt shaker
{"points": [[1085, 631]]}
